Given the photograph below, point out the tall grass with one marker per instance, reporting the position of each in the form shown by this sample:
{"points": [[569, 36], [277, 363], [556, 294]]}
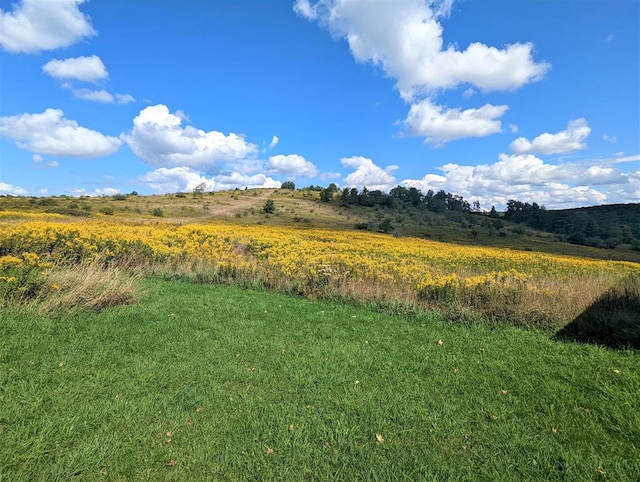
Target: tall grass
{"points": [[90, 286]]}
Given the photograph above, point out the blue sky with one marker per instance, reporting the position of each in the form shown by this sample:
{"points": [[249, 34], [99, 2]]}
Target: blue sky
{"points": [[492, 100]]}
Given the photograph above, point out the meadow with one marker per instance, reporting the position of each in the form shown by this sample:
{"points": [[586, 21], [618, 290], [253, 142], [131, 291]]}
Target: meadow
{"points": [[245, 345], [525, 288]]}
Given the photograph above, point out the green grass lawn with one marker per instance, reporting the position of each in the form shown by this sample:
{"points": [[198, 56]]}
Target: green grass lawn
{"points": [[205, 382]]}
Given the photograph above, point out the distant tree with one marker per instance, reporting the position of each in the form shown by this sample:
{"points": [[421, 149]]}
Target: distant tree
{"points": [[199, 189], [288, 185], [414, 196], [493, 213], [268, 207], [326, 194]]}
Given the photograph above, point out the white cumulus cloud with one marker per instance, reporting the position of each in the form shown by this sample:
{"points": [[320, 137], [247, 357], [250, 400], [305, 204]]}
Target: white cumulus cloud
{"points": [[274, 142], [159, 138], [49, 132], [367, 174], [183, 179], [232, 180], [12, 190], [568, 140], [36, 25], [176, 179], [439, 125], [405, 39], [290, 165], [528, 178], [85, 69]]}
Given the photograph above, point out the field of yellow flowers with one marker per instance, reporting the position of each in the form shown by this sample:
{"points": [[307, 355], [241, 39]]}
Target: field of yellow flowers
{"points": [[497, 282]]}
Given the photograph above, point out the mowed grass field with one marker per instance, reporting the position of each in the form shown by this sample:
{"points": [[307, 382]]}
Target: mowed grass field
{"points": [[202, 382]]}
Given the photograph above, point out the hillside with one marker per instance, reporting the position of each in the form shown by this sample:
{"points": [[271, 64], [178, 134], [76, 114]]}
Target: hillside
{"points": [[304, 208], [600, 226]]}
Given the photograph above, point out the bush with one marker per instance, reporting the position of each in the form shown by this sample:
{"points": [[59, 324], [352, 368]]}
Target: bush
{"points": [[268, 207], [386, 226], [158, 212], [288, 185]]}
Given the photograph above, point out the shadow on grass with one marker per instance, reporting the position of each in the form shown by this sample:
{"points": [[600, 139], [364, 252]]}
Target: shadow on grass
{"points": [[613, 320]]}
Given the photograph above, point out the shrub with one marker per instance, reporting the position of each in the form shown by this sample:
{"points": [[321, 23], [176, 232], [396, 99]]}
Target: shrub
{"points": [[158, 212], [268, 207]]}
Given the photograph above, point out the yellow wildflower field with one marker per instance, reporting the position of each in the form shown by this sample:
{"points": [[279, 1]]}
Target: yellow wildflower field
{"points": [[314, 259]]}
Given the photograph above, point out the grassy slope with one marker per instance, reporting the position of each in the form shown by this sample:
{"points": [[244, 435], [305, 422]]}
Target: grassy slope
{"points": [[259, 386], [303, 209]]}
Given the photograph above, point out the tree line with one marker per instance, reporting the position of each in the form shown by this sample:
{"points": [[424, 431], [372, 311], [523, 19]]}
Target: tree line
{"points": [[599, 226], [398, 196]]}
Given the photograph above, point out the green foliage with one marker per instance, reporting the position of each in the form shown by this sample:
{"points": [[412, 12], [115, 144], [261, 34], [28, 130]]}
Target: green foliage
{"points": [[107, 211], [119, 197], [269, 207], [158, 212], [598, 226], [288, 185], [386, 225]]}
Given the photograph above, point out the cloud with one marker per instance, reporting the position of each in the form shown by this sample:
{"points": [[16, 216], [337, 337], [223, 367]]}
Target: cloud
{"points": [[102, 96], [176, 179], [182, 179], [405, 40], [528, 178], [569, 140], [80, 191], [439, 125], [50, 132], [608, 138], [12, 190], [290, 165], [274, 142], [159, 139], [232, 180], [304, 9], [85, 69], [367, 174], [94, 95], [36, 25]]}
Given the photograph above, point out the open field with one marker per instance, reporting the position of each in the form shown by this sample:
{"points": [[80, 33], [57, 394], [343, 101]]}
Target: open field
{"points": [[303, 208], [526, 288], [168, 346], [201, 382]]}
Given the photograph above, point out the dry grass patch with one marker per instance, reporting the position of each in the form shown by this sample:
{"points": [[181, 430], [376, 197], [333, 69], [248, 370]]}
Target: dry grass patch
{"points": [[89, 286]]}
